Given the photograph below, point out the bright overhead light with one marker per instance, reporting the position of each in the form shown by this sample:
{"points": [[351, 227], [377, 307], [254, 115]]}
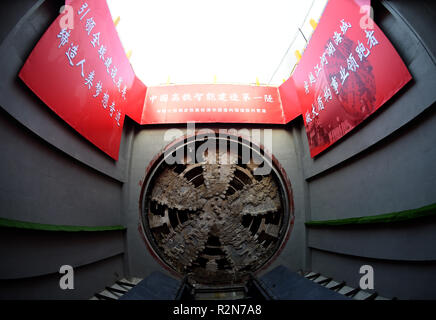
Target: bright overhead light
{"points": [[193, 41]]}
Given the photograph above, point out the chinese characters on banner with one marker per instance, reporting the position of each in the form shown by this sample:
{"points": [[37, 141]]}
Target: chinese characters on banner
{"points": [[83, 75], [346, 73], [213, 103]]}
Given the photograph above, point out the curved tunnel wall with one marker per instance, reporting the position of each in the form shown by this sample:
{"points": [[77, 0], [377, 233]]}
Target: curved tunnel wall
{"points": [[51, 175], [385, 165]]}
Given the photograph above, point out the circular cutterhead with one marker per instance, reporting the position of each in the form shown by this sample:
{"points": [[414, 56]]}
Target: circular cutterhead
{"points": [[215, 209]]}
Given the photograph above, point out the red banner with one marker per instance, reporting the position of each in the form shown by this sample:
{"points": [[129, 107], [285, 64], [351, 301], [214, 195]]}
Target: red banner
{"points": [[213, 103], [346, 73], [290, 102], [80, 70], [134, 109]]}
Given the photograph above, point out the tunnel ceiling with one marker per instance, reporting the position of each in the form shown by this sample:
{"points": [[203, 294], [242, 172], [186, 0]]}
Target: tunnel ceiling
{"points": [[217, 219]]}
